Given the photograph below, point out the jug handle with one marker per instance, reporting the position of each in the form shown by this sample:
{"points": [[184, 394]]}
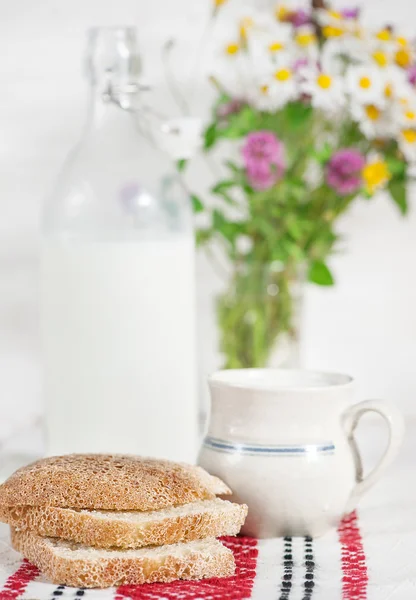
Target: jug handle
{"points": [[395, 424]]}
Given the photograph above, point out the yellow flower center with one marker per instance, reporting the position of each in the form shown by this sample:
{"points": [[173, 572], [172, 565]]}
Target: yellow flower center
{"points": [[335, 15], [324, 81], [283, 75], [365, 83], [380, 58], [282, 12], [410, 114], [388, 90], [246, 23], [376, 174], [409, 135], [384, 35], [264, 89], [218, 3], [404, 101], [232, 48], [402, 41], [276, 46], [403, 58], [329, 31], [372, 112], [305, 39]]}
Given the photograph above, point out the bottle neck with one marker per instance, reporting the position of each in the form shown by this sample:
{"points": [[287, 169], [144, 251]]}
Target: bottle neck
{"points": [[104, 112]]}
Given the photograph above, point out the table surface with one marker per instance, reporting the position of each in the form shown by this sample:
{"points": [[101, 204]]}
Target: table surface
{"points": [[371, 556]]}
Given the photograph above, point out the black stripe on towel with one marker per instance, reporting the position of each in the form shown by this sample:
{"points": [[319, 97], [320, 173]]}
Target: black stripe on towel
{"points": [[309, 563], [286, 583], [58, 592]]}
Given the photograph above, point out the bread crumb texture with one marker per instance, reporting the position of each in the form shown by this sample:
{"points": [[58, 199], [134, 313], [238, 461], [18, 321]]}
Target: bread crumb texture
{"points": [[133, 529], [65, 563], [109, 482]]}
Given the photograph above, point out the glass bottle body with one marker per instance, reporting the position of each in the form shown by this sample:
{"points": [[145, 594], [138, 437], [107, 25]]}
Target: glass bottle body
{"points": [[118, 290]]}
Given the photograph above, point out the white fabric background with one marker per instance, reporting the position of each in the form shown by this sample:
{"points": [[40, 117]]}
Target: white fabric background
{"points": [[366, 325]]}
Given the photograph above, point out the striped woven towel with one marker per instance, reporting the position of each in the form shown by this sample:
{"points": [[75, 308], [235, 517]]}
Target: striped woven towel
{"points": [[341, 565]]}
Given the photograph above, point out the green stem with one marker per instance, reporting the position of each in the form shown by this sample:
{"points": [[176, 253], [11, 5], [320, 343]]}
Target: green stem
{"points": [[254, 312]]}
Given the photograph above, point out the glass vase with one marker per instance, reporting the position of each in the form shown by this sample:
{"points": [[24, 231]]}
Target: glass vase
{"points": [[255, 321], [258, 316]]}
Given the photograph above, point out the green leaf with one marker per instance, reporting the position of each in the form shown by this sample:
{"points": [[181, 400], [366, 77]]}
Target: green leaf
{"points": [[294, 228], [323, 154], [222, 186], [228, 229], [320, 274], [297, 114], [210, 136], [397, 189], [240, 124], [196, 204], [181, 164], [218, 220], [397, 167], [233, 167]]}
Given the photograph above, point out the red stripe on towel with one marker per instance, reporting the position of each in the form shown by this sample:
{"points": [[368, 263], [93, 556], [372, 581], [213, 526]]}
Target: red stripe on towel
{"points": [[18, 582], [238, 587], [354, 568]]}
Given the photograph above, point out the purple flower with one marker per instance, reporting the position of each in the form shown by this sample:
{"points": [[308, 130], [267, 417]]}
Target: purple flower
{"points": [[343, 171], [229, 108], [264, 160], [300, 64], [300, 17], [411, 75], [350, 13]]}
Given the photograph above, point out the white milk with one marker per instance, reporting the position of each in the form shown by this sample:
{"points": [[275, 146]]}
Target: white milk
{"points": [[119, 347]]}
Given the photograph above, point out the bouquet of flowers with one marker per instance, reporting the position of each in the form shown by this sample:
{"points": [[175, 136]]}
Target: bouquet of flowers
{"points": [[323, 113]]}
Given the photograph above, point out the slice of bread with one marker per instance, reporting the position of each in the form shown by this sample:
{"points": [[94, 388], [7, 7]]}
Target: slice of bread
{"points": [[106, 529], [65, 563], [109, 482]]}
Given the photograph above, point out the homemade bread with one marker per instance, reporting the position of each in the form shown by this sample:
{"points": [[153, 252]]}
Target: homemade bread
{"points": [[106, 529], [75, 565], [109, 482]]}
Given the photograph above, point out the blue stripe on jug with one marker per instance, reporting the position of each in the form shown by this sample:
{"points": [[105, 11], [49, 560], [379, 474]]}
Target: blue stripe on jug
{"points": [[275, 450]]}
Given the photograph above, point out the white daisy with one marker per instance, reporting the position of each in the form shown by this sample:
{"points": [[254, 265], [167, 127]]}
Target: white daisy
{"points": [[274, 90], [404, 53], [366, 85], [396, 84], [326, 90], [264, 97], [373, 121], [272, 46], [306, 42], [340, 53], [232, 68], [387, 49], [407, 144], [405, 114], [284, 84]]}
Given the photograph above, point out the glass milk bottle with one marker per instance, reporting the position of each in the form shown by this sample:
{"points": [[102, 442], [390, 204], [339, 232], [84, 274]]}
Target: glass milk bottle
{"points": [[118, 314]]}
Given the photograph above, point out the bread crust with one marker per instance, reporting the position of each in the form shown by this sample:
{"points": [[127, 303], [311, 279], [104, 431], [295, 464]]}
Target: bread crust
{"points": [[209, 518], [109, 482], [63, 565]]}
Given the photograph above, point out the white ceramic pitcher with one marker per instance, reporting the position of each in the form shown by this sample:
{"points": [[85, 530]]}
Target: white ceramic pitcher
{"points": [[283, 441]]}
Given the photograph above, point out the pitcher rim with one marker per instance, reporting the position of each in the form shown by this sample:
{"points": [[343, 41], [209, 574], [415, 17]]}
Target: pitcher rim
{"points": [[332, 379]]}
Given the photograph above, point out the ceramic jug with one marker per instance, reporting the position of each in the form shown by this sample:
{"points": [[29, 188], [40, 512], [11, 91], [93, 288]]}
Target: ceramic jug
{"points": [[283, 442]]}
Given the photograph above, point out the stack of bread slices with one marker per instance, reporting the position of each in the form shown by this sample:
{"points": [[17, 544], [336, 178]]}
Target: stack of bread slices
{"points": [[110, 520]]}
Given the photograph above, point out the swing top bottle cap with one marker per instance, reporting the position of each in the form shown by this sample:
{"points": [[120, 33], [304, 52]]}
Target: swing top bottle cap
{"points": [[113, 53]]}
